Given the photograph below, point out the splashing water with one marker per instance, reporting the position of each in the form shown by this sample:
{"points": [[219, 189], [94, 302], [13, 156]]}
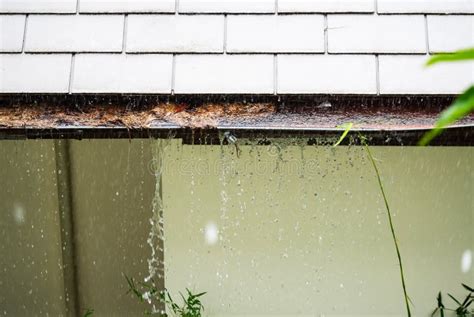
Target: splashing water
{"points": [[156, 236]]}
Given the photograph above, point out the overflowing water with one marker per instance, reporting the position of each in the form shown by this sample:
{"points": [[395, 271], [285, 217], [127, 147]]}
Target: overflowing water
{"points": [[265, 227], [156, 236]]}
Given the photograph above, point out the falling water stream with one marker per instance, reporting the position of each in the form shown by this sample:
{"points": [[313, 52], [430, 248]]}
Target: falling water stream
{"points": [[284, 192], [267, 227], [156, 236]]}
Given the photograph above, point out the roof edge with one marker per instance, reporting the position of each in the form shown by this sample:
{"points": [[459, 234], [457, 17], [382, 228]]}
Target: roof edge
{"points": [[387, 120]]}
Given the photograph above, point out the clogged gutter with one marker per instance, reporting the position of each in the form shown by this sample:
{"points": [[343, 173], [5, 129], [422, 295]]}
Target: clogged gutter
{"points": [[43, 115]]}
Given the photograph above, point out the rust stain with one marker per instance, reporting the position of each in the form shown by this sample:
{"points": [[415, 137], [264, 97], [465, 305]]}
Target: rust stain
{"points": [[205, 116], [208, 115], [254, 115]]}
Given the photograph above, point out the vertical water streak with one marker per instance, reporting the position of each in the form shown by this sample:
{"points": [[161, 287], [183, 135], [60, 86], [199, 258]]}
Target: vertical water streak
{"points": [[223, 179], [302, 177], [156, 236]]}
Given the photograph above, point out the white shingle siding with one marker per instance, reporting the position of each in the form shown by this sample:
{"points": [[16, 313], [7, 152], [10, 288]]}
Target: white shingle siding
{"points": [[294, 6], [450, 33], [425, 6], [175, 33], [224, 74], [27, 73], [120, 73], [376, 34], [12, 28], [275, 34], [126, 6], [38, 6], [407, 75], [234, 46], [74, 33], [226, 6], [319, 74]]}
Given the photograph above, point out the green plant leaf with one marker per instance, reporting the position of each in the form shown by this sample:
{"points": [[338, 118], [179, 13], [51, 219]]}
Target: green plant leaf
{"points": [[461, 107], [454, 299], [458, 56], [389, 215], [89, 312], [470, 289], [347, 127]]}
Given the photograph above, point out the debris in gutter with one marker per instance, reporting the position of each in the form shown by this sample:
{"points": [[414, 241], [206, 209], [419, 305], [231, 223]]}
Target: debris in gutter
{"points": [[207, 116], [283, 113]]}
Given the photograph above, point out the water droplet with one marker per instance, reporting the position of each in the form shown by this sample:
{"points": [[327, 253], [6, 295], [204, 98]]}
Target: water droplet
{"points": [[466, 261], [211, 233], [19, 213]]}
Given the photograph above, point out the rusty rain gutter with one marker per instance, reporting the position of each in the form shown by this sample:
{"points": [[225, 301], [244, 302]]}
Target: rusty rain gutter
{"points": [[386, 120]]}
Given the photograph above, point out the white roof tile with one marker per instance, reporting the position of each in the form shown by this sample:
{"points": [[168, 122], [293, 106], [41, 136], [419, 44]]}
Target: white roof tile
{"points": [[450, 33], [120, 6], [323, 74], [175, 33], [12, 28], [120, 73], [376, 34], [275, 34], [227, 6], [38, 6], [326, 5], [74, 33], [224, 74], [233, 46], [45, 73], [407, 75], [425, 6]]}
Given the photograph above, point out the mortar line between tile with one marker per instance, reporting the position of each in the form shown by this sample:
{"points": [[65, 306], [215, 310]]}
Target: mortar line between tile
{"points": [[125, 33], [173, 73], [23, 44], [275, 74], [224, 48], [427, 35], [377, 74], [326, 34], [71, 72]]}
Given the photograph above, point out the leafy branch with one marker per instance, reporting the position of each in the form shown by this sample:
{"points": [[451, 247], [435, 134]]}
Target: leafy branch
{"points": [[89, 312], [462, 310], [461, 107], [191, 307]]}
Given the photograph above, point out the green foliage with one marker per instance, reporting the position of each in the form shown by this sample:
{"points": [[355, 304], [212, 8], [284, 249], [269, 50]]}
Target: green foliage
{"points": [[191, 307], [347, 127], [461, 107], [89, 312], [463, 307], [458, 56]]}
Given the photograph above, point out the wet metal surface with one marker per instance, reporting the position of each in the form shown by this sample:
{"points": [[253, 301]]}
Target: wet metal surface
{"points": [[100, 116]]}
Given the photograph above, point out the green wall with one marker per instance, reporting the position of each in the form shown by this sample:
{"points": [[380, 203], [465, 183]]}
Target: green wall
{"points": [[301, 230]]}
